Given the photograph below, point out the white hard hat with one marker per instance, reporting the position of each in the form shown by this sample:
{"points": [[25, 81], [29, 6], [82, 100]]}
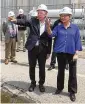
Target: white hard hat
{"points": [[21, 11], [33, 13], [65, 10], [42, 7], [11, 13]]}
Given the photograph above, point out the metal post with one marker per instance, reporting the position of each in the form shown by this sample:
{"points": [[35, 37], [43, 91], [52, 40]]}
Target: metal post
{"points": [[15, 7], [0, 22], [84, 24], [73, 10]]}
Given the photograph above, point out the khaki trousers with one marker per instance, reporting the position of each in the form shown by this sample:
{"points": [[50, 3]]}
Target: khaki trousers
{"points": [[10, 49], [21, 35]]}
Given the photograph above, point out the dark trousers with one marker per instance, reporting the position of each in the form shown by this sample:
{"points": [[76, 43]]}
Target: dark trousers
{"points": [[62, 58], [53, 59], [40, 55]]}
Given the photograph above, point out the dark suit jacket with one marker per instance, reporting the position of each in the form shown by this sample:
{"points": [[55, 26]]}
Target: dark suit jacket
{"points": [[24, 18], [34, 35]]}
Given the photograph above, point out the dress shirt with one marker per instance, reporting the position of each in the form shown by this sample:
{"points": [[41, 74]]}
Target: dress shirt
{"points": [[42, 29], [68, 40]]}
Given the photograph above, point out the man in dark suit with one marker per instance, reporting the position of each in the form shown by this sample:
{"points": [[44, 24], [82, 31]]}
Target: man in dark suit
{"points": [[38, 45]]}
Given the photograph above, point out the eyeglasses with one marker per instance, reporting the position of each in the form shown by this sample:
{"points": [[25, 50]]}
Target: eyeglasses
{"points": [[64, 15]]}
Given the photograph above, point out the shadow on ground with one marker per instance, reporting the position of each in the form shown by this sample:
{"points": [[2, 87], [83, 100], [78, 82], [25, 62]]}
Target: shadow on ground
{"points": [[23, 88]]}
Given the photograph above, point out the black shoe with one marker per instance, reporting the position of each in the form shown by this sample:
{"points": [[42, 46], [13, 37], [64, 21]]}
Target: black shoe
{"points": [[41, 88], [51, 67], [72, 97], [32, 87], [17, 50], [58, 91], [24, 50], [14, 61]]}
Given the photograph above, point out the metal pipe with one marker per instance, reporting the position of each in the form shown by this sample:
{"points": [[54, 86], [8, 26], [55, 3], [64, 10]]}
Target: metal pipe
{"points": [[78, 13]]}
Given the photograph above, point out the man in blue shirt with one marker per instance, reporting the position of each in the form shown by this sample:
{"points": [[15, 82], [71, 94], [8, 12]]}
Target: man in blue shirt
{"points": [[67, 45]]}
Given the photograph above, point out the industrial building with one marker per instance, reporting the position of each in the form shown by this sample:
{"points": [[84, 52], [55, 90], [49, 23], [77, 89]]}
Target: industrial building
{"points": [[27, 5], [78, 7]]}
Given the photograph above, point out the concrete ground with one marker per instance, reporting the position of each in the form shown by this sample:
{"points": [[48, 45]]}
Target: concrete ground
{"points": [[15, 78]]}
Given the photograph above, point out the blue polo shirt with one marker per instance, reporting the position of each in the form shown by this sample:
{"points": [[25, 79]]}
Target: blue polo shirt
{"points": [[67, 40]]}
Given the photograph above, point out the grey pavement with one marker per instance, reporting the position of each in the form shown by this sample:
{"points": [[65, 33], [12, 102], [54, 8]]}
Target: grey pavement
{"points": [[15, 78]]}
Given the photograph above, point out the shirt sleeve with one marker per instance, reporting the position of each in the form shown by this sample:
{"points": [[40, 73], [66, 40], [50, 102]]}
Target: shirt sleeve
{"points": [[54, 32], [23, 22], [78, 45]]}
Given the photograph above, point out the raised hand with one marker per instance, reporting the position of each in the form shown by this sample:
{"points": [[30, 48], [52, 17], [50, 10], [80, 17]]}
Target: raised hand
{"points": [[14, 20], [48, 22], [48, 25], [75, 57]]}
